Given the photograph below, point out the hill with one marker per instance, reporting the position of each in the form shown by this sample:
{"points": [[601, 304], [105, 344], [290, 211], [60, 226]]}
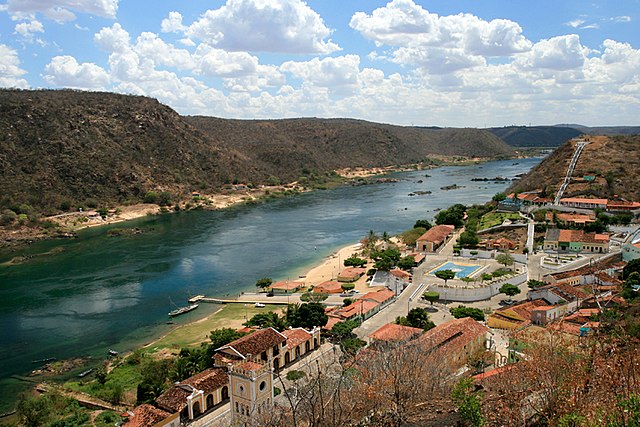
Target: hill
{"points": [[613, 161], [535, 136], [291, 148], [65, 148]]}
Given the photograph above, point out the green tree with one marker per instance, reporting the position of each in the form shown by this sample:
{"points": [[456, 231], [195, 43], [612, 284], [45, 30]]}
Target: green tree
{"points": [[633, 265], [532, 283], [509, 290], [165, 198], [347, 286], [462, 311], [486, 276], [310, 315], [33, 411], [8, 217], [454, 215], [409, 237], [267, 319], [354, 261], [630, 284], [419, 318], [431, 296], [469, 238], [154, 379], [264, 283], [350, 346], [505, 259], [445, 275], [469, 403], [344, 329], [151, 197], [422, 223], [406, 263], [499, 197]]}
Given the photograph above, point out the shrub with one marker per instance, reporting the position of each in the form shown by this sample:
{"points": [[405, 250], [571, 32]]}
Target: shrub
{"points": [[151, 197], [294, 375]]}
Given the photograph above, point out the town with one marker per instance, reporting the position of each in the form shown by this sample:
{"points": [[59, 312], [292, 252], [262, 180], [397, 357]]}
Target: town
{"points": [[466, 304]]}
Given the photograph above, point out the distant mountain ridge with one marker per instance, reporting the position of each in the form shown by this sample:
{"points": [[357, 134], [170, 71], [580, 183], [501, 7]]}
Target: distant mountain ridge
{"points": [[556, 135], [68, 147]]}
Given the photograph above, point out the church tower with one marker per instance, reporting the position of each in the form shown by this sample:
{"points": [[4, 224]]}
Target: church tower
{"points": [[251, 386]]}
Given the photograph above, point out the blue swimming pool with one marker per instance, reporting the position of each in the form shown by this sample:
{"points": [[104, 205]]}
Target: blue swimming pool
{"points": [[461, 270]]}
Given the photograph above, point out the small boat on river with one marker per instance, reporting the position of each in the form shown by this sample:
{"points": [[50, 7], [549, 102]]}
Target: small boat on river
{"points": [[85, 373], [43, 361], [112, 352], [183, 310]]}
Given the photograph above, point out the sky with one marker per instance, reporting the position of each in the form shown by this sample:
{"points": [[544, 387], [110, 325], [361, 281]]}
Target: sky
{"points": [[457, 63]]}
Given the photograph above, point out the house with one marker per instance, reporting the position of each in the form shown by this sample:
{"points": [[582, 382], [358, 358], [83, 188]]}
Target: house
{"points": [[395, 333], [435, 237], [196, 395], [570, 218], [575, 241], [558, 294], [359, 311], [328, 287], [622, 206], [269, 345], [515, 316], [351, 274], [146, 415], [582, 203], [286, 287], [455, 341], [501, 244], [395, 280], [548, 313], [384, 297], [527, 199], [418, 258]]}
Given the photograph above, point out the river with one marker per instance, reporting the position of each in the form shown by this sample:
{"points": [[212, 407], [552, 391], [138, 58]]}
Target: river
{"points": [[87, 295]]}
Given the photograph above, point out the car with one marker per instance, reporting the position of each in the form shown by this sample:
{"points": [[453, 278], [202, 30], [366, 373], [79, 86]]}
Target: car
{"points": [[506, 302], [259, 305], [270, 294]]}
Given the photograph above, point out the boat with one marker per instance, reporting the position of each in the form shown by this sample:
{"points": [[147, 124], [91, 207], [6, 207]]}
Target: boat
{"points": [[113, 352], [85, 373], [182, 310], [43, 361]]}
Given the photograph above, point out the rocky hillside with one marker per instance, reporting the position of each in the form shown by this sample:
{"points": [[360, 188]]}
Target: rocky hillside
{"points": [[535, 136], [613, 161], [287, 148], [68, 147]]}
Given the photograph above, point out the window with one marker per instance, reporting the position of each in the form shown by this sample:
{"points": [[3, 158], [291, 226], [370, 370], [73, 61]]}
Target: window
{"points": [[263, 384], [241, 389], [237, 407]]}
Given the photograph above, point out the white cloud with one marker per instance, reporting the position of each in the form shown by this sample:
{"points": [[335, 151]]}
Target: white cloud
{"points": [[152, 47], [332, 73], [62, 10], [403, 23], [557, 53], [621, 19], [218, 62], [285, 26], [10, 70], [65, 71], [28, 29], [112, 39], [172, 24], [576, 23]]}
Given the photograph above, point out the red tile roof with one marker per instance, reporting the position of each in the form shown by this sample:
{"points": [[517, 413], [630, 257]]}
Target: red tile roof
{"points": [[254, 343], [287, 286], [393, 332], [492, 372], [400, 273], [357, 308], [352, 273], [146, 415], [296, 336], [450, 336], [328, 287], [330, 322], [583, 200], [380, 296], [436, 234], [250, 366], [209, 380]]}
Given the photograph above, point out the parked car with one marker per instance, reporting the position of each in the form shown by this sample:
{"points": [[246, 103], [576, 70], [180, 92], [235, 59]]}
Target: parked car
{"points": [[506, 302], [259, 305], [269, 294]]}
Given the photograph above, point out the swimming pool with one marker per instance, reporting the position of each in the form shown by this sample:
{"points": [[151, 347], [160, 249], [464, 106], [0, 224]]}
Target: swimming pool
{"points": [[461, 270]]}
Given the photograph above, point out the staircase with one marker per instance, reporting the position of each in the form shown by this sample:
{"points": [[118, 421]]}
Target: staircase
{"points": [[567, 179]]}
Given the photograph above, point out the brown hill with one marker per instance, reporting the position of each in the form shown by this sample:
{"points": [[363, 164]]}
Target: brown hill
{"points": [[288, 148], [613, 161], [68, 147]]}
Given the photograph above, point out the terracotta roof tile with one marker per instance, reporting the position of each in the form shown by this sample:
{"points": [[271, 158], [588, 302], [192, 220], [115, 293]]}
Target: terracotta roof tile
{"points": [[328, 287], [296, 336], [393, 332], [146, 415], [175, 398], [436, 234], [450, 336], [380, 296], [254, 343], [287, 286]]}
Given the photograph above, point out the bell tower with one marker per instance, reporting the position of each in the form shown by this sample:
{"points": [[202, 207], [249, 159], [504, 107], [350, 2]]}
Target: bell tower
{"points": [[251, 385]]}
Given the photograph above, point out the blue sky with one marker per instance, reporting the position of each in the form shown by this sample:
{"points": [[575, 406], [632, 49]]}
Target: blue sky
{"points": [[444, 63]]}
